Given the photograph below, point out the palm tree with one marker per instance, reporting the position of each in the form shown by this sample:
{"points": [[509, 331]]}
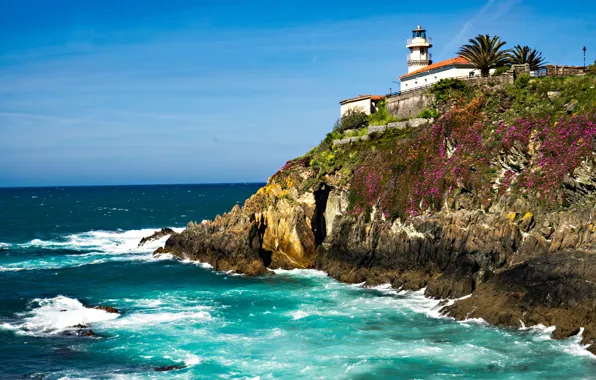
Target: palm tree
{"points": [[485, 52], [523, 54]]}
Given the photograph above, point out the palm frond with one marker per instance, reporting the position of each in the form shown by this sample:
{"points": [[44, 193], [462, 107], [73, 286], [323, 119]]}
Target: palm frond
{"points": [[524, 54], [485, 52]]}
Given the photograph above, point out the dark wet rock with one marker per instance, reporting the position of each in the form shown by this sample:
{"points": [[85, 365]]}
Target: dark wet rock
{"points": [[156, 235], [80, 332], [87, 333], [107, 309], [169, 368], [80, 326]]}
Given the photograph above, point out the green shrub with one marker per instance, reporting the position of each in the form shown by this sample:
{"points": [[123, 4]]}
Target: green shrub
{"points": [[352, 119], [363, 132], [501, 70], [446, 89], [522, 81], [382, 116], [428, 113], [592, 68]]}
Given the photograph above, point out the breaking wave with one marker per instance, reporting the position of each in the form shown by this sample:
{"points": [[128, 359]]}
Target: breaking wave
{"points": [[50, 316]]}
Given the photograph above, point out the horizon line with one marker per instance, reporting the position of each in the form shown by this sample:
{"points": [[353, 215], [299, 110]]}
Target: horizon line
{"points": [[134, 185]]}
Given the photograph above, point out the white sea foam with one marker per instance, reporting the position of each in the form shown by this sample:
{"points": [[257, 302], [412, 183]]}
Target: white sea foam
{"points": [[299, 314], [103, 246], [301, 272], [188, 358], [10, 269], [139, 319], [116, 242], [55, 315]]}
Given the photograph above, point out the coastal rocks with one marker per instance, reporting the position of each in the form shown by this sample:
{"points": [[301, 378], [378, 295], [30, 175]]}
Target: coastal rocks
{"points": [[80, 330], [450, 255], [553, 290], [276, 228], [232, 242], [156, 235], [107, 309]]}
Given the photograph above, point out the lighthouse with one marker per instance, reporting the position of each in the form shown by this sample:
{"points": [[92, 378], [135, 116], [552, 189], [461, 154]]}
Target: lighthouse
{"points": [[419, 44]]}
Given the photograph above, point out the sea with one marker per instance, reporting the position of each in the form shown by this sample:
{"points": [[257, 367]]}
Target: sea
{"points": [[63, 249]]}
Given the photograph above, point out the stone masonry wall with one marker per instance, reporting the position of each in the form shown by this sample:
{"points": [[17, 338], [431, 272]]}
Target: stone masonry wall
{"points": [[410, 104]]}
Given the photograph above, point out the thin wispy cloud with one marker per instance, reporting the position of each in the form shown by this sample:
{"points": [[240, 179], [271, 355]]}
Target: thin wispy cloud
{"points": [[491, 11], [39, 117]]}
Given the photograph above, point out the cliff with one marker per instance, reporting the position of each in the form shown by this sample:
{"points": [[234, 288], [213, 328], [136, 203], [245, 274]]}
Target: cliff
{"points": [[492, 207]]}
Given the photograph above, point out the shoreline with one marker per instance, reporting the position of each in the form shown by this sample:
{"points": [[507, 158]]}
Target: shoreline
{"points": [[575, 346]]}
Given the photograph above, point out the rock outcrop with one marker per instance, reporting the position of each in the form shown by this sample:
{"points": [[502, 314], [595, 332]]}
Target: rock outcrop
{"points": [[107, 309], [156, 235]]}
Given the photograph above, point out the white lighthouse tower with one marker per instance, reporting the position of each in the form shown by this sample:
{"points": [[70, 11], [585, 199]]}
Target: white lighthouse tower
{"points": [[419, 44]]}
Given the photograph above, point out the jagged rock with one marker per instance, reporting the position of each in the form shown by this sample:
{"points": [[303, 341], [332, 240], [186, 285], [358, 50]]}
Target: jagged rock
{"points": [[156, 235], [87, 333], [107, 309], [526, 222], [80, 331]]}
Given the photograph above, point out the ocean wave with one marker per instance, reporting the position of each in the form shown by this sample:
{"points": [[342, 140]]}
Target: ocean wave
{"points": [[51, 316], [103, 241], [97, 247]]}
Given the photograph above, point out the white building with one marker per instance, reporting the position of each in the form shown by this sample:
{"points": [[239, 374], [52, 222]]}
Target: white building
{"points": [[423, 72], [365, 103]]}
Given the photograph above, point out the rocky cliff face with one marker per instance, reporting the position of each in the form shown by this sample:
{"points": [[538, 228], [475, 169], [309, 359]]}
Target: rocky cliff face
{"points": [[511, 261]]}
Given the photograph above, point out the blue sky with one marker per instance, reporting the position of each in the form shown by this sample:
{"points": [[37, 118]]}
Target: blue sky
{"points": [[179, 91]]}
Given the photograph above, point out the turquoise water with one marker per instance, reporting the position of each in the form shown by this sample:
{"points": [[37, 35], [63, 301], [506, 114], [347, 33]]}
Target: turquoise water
{"points": [[62, 248]]}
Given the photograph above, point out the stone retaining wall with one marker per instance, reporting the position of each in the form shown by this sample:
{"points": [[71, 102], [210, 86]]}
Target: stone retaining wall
{"points": [[412, 123]]}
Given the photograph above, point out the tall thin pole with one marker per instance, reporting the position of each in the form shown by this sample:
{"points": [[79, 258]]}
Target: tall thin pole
{"points": [[584, 49]]}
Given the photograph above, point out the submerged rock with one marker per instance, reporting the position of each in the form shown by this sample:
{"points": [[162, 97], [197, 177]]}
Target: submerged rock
{"points": [[80, 332], [169, 368], [87, 333]]}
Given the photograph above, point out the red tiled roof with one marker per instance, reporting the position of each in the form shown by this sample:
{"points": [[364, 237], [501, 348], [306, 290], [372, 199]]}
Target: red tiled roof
{"points": [[447, 62], [360, 97]]}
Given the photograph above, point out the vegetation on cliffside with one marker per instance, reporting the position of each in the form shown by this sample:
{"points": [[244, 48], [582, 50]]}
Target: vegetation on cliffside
{"points": [[519, 141]]}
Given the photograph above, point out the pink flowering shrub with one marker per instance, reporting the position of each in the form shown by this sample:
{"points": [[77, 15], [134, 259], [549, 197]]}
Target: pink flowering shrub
{"points": [[560, 147], [456, 153]]}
